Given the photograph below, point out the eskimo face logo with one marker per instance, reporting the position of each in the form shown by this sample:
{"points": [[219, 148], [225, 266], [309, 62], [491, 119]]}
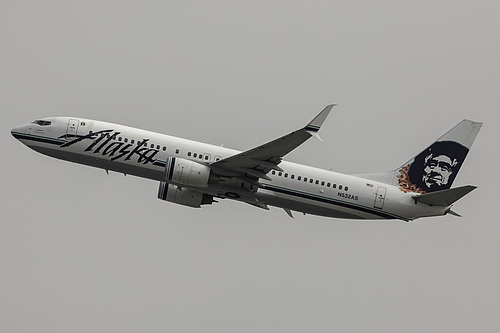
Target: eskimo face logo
{"points": [[434, 169], [438, 170]]}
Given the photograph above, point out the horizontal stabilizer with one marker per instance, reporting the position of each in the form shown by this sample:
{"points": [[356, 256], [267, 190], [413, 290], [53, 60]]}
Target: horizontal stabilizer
{"points": [[444, 197]]}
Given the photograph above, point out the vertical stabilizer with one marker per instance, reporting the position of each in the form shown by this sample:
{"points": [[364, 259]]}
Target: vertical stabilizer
{"points": [[436, 167]]}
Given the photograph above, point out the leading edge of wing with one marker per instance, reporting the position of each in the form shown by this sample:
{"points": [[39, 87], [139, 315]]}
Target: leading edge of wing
{"points": [[257, 162]]}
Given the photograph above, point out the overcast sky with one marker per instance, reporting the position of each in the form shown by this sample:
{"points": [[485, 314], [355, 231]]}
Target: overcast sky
{"points": [[81, 251]]}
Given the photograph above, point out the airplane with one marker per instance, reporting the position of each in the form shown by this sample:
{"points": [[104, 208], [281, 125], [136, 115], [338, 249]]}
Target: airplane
{"points": [[194, 174]]}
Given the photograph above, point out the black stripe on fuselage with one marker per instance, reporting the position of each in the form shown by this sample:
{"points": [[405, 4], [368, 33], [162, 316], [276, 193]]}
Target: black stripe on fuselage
{"points": [[332, 202], [159, 163], [28, 137]]}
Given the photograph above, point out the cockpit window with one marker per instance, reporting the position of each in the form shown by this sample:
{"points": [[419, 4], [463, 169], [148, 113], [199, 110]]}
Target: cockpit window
{"points": [[42, 122]]}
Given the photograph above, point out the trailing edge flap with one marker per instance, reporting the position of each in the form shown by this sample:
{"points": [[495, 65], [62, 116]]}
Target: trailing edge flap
{"points": [[445, 197], [257, 162]]}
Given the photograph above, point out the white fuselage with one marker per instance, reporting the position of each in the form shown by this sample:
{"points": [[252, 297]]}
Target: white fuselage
{"points": [[144, 154]]}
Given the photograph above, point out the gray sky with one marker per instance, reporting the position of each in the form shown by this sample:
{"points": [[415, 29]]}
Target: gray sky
{"points": [[81, 251]]}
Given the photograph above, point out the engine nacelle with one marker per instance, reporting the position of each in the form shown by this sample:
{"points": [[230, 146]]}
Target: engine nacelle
{"points": [[184, 172], [183, 196]]}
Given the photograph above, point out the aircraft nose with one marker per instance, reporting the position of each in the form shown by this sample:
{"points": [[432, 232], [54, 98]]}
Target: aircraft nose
{"points": [[16, 131]]}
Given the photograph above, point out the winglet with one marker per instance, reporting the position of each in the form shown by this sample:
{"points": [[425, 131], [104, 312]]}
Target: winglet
{"points": [[316, 123]]}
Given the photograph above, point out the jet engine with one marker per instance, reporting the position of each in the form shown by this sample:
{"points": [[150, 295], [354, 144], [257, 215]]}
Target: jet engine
{"points": [[184, 172], [183, 196]]}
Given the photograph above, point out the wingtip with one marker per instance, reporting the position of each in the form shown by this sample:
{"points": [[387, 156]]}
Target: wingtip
{"points": [[473, 122], [328, 108]]}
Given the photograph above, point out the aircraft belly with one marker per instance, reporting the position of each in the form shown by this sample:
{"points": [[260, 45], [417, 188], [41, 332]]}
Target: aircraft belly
{"points": [[322, 206], [267, 197], [317, 209]]}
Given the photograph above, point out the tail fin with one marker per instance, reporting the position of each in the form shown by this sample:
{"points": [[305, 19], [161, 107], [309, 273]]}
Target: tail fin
{"points": [[436, 167]]}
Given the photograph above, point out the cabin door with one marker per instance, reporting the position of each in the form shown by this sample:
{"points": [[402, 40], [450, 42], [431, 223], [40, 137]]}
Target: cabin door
{"points": [[380, 197], [72, 127]]}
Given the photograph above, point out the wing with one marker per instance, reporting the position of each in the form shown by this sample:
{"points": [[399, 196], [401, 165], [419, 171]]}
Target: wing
{"points": [[257, 162]]}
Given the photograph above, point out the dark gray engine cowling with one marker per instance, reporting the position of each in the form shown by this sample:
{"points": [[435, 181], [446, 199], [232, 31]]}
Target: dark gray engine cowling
{"points": [[184, 172], [183, 196]]}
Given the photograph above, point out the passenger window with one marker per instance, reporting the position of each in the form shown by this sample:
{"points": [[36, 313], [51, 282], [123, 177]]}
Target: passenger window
{"points": [[206, 157], [279, 174], [328, 185], [273, 172], [311, 180], [317, 182], [158, 147], [201, 156], [177, 151], [164, 148], [119, 138], [194, 155], [334, 186], [299, 177], [132, 141], [340, 187], [322, 183], [292, 176], [126, 140], [305, 179], [189, 153], [346, 188], [286, 175]]}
